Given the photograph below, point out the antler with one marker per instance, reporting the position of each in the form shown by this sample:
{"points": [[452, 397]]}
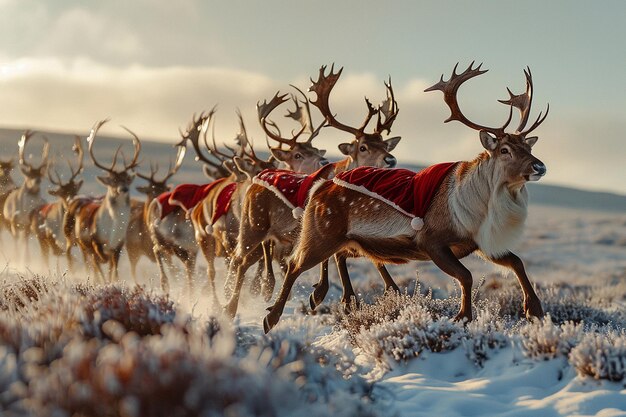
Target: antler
{"points": [[192, 134], [324, 85], [25, 166], [450, 88], [523, 103], [78, 149], [301, 114], [389, 109], [91, 139], [137, 150], [172, 169]]}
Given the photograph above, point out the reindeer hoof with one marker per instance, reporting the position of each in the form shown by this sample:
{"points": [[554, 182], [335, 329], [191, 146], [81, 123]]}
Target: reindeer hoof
{"points": [[533, 310], [312, 303]]}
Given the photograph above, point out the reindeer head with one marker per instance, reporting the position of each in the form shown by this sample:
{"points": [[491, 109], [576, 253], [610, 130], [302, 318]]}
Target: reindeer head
{"points": [[69, 189], [32, 175], [154, 187], [6, 167], [511, 152], [117, 182], [366, 149], [299, 156]]}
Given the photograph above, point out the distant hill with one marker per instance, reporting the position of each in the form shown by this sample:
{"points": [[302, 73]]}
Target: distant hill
{"points": [[540, 193]]}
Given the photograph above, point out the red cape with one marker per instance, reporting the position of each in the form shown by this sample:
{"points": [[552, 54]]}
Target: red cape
{"points": [[291, 187], [407, 190]]}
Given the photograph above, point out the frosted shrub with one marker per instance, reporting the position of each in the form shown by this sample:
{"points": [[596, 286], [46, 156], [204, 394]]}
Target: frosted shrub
{"points": [[545, 340], [408, 335], [135, 309], [484, 334], [318, 373], [601, 356]]}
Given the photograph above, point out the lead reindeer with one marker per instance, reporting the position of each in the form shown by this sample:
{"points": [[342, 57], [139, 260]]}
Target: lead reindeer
{"points": [[267, 215], [21, 202], [99, 225], [47, 222], [477, 206], [138, 241]]}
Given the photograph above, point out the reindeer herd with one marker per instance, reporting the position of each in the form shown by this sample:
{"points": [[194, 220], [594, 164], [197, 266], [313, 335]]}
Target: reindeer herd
{"points": [[295, 207]]}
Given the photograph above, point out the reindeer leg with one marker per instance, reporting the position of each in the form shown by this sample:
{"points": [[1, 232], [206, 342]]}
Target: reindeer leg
{"points": [[208, 250], [348, 291], [159, 255], [268, 284], [320, 288], [240, 267], [448, 263], [114, 262], [190, 268], [389, 282], [532, 304], [307, 259]]}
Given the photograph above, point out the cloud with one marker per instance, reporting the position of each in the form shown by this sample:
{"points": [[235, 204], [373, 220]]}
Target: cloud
{"points": [[155, 102]]}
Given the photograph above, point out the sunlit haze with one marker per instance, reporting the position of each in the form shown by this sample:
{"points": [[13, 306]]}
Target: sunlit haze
{"points": [[150, 64]]}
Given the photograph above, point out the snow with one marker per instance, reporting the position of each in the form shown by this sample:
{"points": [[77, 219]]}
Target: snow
{"points": [[495, 367]]}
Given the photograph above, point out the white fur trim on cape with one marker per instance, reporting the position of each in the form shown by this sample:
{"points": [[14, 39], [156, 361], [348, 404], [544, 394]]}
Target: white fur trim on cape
{"points": [[177, 203], [417, 223], [297, 212], [273, 189]]}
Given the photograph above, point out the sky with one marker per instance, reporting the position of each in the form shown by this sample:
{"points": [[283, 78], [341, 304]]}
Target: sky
{"points": [[151, 64]]}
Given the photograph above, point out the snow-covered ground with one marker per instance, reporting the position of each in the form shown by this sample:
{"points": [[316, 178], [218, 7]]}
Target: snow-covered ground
{"points": [[417, 363]]}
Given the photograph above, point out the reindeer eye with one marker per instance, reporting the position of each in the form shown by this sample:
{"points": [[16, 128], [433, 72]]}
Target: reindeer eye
{"points": [[298, 156], [504, 150], [363, 148]]}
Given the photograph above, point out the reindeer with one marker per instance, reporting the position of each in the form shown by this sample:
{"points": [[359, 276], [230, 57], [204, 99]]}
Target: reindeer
{"points": [[22, 201], [99, 225], [477, 206], [47, 222], [216, 217], [6, 186], [138, 241], [170, 227], [268, 217]]}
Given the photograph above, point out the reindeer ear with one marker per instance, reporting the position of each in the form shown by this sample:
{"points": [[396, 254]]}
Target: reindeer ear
{"points": [[392, 143], [143, 189], [531, 140], [322, 152], [79, 184], [346, 148], [54, 192], [280, 154], [209, 172], [489, 142], [243, 166]]}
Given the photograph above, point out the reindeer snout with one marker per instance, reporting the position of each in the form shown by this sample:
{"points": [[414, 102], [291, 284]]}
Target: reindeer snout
{"points": [[123, 189], [324, 162], [540, 168], [391, 161]]}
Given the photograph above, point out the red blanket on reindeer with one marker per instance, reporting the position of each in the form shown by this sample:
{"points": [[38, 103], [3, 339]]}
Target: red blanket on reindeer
{"points": [[187, 196], [291, 187], [407, 191]]}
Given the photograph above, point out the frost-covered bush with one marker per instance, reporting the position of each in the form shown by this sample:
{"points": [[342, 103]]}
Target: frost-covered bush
{"points": [[320, 375], [601, 356], [22, 292], [483, 335], [401, 327], [136, 309], [545, 340]]}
